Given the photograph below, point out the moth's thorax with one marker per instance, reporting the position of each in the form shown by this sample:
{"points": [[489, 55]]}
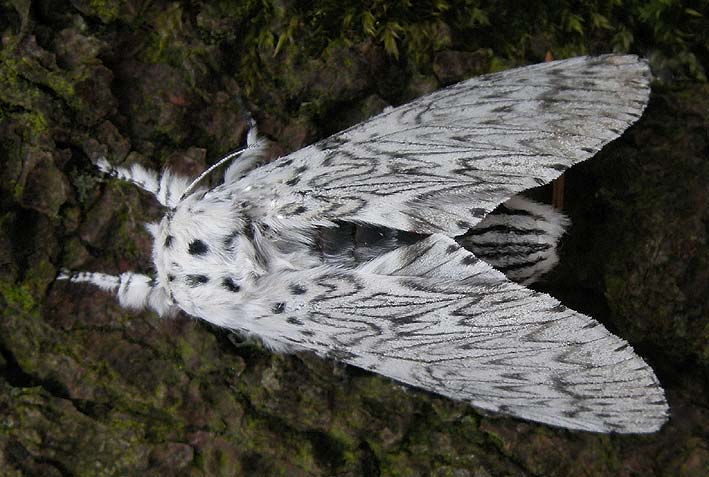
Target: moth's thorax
{"points": [[203, 254]]}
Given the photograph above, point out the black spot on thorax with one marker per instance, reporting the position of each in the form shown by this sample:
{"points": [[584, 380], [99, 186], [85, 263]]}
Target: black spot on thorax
{"points": [[230, 285], [196, 280], [197, 247]]}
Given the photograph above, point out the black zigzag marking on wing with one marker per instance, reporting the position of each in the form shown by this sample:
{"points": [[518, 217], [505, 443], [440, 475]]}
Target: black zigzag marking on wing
{"points": [[467, 333], [424, 166]]}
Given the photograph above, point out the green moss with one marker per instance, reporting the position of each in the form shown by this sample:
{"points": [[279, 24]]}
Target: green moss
{"points": [[347, 437], [8, 71], [16, 91], [106, 10], [59, 81], [84, 185], [173, 43], [164, 45], [38, 278], [36, 121], [228, 465], [467, 429], [419, 29], [18, 297], [398, 465], [496, 439], [186, 351], [125, 230], [303, 457], [63, 86]]}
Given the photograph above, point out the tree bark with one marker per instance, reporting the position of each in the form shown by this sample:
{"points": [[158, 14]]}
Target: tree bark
{"points": [[87, 388]]}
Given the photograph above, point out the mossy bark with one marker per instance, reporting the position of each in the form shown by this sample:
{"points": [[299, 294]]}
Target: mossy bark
{"points": [[87, 388]]}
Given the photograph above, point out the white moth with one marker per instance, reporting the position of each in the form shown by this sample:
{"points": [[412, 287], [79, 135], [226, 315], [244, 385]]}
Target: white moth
{"points": [[351, 247]]}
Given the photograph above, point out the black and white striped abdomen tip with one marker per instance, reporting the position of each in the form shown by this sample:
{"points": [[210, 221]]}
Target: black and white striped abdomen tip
{"points": [[519, 238]]}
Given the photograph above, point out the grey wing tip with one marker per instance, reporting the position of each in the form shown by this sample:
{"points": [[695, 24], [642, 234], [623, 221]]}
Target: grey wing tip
{"points": [[631, 61], [652, 412], [649, 424], [628, 62], [647, 412]]}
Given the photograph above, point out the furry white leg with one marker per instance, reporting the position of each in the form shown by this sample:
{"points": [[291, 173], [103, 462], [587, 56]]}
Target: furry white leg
{"points": [[166, 187], [109, 283], [256, 150], [133, 290]]}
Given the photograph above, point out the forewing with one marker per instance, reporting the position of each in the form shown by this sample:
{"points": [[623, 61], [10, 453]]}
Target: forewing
{"points": [[442, 162], [433, 316]]}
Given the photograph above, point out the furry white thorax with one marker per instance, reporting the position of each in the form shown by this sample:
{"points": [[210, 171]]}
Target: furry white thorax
{"points": [[207, 253], [209, 256]]}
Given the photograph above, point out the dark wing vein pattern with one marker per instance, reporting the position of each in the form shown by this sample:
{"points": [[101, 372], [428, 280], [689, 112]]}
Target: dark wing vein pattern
{"points": [[433, 316], [442, 162]]}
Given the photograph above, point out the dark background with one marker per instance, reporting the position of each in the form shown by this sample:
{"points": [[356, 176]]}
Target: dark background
{"points": [[87, 388]]}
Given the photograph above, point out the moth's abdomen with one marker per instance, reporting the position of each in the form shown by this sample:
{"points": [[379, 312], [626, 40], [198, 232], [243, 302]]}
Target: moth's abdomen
{"points": [[519, 238], [350, 245]]}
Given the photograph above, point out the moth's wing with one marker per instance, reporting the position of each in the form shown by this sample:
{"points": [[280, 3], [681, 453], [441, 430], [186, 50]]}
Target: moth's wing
{"points": [[433, 316], [442, 162]]}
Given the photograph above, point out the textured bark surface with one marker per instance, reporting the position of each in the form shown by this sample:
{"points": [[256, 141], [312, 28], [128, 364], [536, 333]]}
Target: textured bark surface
{"points": [[90, 389]]}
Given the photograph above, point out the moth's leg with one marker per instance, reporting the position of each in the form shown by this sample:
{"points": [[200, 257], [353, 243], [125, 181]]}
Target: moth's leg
{"points": [[520, 238], [104, 281], [133, 290], [167, 187], [256, 150], [246, 340], [557, 198]]}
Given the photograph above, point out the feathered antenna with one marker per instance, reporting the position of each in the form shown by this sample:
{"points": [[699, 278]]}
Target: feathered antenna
{"points": [[139, 291], [253, 151], [166, 186], [221, 161], [169, 188]]}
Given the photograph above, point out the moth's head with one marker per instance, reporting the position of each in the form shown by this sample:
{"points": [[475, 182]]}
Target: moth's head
{"points": [[203, 257], [202, 254]]}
